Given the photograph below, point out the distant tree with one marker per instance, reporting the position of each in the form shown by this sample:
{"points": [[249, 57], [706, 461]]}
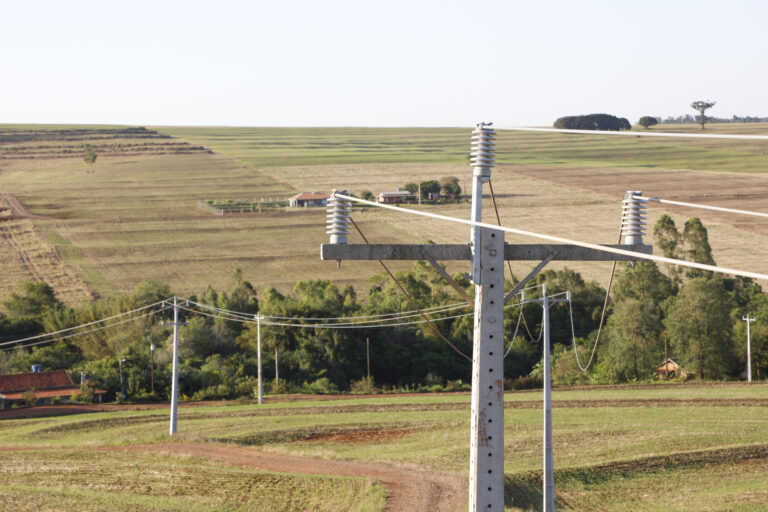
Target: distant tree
{"points": [[449, 186], [90, 155], [593, 122], [411, 187], [367, 195], [668, 238], [429, 187], [697, 246], [647, 121], [702, 106]]}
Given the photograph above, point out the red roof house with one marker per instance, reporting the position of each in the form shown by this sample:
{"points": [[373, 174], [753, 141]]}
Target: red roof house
{"points": [[47, 385]]}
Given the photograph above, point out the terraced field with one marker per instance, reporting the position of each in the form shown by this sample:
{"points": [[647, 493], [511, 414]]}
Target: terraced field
{"points": [[616, 448]]}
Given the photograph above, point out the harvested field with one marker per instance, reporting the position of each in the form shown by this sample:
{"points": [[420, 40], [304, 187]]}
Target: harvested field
{"points": [[612, 445]]}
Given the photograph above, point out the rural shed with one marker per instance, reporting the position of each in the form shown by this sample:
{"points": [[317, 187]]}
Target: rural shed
{"points": [[309, 199], [399, 196], [671, 368], [47, 385]]}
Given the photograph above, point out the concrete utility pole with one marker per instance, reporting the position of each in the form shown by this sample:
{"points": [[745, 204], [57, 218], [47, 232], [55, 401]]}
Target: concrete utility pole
{"points": [[486, 253], [258, 358], [175, 375], [749, 320]]}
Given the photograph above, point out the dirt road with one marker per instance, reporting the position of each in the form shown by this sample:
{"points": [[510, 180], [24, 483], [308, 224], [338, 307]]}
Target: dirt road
{"points": [[410, 490], [19, 210]]}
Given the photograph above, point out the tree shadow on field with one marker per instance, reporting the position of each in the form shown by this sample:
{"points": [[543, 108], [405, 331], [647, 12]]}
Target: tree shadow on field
{"points": [[524, 491]]}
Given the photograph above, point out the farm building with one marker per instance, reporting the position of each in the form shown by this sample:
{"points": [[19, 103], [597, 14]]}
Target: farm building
{"points": [[671, 368], [309, 199], [47, 385], [398, 196]]}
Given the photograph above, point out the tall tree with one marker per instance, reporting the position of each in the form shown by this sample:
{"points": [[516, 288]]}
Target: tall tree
{"points": [[700, 327], [702, 106], [633, 331], [697, 248]]}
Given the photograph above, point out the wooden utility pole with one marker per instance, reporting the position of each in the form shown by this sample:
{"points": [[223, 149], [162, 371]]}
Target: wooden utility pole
{"points": [[666, 359], [486, 254], [368, 356]]}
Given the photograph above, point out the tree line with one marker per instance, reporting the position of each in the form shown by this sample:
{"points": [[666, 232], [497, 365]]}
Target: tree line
{"points": [[697, 315]]}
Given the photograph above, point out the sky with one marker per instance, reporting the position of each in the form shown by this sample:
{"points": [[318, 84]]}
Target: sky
{"points": [[383, 63]]}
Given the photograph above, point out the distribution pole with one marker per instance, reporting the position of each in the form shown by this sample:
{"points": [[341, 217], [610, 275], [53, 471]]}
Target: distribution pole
{"points": [[486, 252], [258, 350], [549, 472], [749, 348], [175, 377]]}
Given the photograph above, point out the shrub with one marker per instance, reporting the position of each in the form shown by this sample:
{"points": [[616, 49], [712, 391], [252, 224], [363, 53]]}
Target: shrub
{"points": [[321, 386], [527, 382], [30, 397], [363, 386], [647, 121]]}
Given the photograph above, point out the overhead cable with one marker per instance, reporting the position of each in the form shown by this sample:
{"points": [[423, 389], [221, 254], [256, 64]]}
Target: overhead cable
{"points": [[627, 133], [702, 206], [82, 325], [82, 333], [568, 241]]}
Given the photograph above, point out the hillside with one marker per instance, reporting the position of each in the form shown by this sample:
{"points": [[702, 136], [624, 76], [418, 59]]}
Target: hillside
{"points": [[133, 214]]}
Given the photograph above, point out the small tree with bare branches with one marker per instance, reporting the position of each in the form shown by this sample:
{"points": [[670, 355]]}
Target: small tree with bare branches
{"points": [[702, 106]]}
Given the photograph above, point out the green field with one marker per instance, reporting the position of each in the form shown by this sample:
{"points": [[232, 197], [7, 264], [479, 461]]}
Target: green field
{"points": [[133, 214], [658, 445]]}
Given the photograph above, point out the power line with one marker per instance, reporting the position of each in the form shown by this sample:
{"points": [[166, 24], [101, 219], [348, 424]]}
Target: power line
{"points": [[558, 239], [637, 134], [84, 332], [396, 315], [81, 325], [703, 206]]}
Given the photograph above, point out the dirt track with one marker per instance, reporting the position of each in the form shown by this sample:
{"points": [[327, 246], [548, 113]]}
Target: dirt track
{"points": [[409, 489], [19, 210]]}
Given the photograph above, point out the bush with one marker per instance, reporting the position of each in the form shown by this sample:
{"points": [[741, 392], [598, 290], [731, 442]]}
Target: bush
{"points": [[593, 122], [363, 386], [647, 121], [30, 397], [527, 382], [322, 386]]}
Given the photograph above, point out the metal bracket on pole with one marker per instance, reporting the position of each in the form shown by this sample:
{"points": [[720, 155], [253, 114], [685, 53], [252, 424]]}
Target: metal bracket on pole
{"points": [[447, 277], [531, 275]]}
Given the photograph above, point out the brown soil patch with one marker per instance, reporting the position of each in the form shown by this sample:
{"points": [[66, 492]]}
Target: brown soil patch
{"points": [[366, 436], [19, 211], [726, 189], [409, 489]]}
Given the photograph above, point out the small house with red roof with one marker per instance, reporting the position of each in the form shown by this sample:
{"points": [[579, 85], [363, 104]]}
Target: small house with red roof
{"points": [[309, 199], [47, 385]]}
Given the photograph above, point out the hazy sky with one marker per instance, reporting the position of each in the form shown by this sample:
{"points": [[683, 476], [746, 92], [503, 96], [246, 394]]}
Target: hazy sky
{"points": [[384, 63]]}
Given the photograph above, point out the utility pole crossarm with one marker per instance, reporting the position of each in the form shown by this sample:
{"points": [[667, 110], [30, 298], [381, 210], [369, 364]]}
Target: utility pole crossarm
{"points": [[456, 252]]}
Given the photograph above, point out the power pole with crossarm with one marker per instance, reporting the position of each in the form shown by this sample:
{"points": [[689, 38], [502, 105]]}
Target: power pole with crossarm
{"points": [[486, 253]]}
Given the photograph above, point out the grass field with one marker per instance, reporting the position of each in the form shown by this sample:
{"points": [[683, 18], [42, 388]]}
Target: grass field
{"points": [[134, 216], [616, 449]]}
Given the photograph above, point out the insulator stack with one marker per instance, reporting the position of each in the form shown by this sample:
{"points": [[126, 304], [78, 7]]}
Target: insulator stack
{"points": [[633, 218], [483, 149], [339, 211]]}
